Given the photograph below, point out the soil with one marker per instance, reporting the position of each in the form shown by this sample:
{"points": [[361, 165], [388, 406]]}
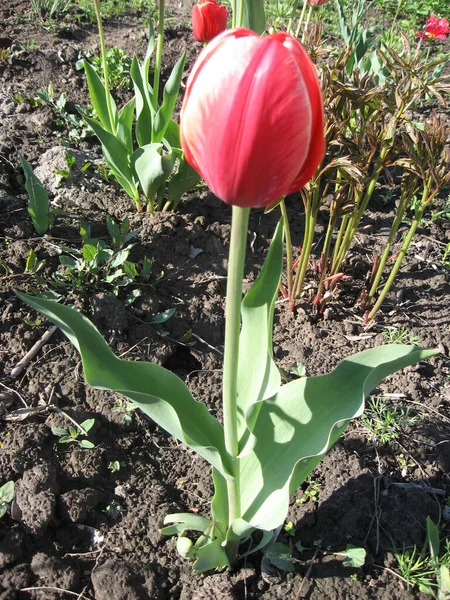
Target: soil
{"points": [[78, 528]]}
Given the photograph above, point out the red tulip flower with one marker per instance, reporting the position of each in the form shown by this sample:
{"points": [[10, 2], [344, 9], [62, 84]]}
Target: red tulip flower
{"points": [[252, 117], [317, 2], [435, 29], [208, 20]]}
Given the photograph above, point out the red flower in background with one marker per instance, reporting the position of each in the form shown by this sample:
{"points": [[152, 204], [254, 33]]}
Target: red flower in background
{"points": [[208, 20], [435, 29], [317, 2], [252, 117]]}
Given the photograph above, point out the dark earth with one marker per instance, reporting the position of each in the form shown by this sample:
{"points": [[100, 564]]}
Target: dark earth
{"points": [[80, 529]]}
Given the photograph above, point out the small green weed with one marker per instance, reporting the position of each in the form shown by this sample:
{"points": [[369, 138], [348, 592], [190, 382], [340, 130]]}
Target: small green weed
{"points": [[6, 497], [311, 494], [72, 434], [97, 265], [427, 569], [386, 422], [400, 335], [116, 465], [125, 407], [75, 127]]}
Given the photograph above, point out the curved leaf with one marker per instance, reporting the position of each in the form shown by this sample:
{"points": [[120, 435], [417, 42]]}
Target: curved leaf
{"points": [[159, 393], [298, 425]]}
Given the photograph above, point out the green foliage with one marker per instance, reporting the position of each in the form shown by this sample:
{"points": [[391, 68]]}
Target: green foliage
{"points": [[400, 335], [46, 10], [113, 8], [38, 204], [72, 434], [387, 422], [311, 493], [283, 430], [156, 167], [70, 123], [97, 265], [6, 497], [427, 569], [118, 66], [115, 466]]}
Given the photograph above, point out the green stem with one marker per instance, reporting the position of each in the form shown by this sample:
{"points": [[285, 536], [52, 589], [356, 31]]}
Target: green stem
{"points": [[302, 16], [241, 13], [159, 49], [233, 13], [310, 222], [105, 66], [289, 261], [391, 32], [308, 19], [396, 267], [395, 226], [236, 263]]}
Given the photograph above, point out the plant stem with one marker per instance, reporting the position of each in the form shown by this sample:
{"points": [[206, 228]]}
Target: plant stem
{"points": [[105, 66], [302, 16], [308, 19], [159, 49], [289, 261], [236, 263], [397, 265]]}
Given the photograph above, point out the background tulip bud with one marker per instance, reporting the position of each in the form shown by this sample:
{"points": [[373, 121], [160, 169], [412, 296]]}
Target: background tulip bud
{"points": [[317, 2], [208, 20], [252, 117]]}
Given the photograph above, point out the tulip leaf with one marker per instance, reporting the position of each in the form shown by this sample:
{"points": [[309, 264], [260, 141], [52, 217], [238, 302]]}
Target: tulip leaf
{"points": [[97, 93], [184, 180], [125, 124], [152, 168], [254, 17], [296, 428], [158, 392], [144, 110], [117, 157], [258, 376], [171, 90], [38, 205]]}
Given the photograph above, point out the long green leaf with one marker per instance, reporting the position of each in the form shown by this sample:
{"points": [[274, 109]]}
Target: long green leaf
{"points": [[125, 125], [97, 92], [254, 17], [298, 425], [258, 376], [144, 110], [159, 393], [38, 205], [117, 156], [171, 90]]}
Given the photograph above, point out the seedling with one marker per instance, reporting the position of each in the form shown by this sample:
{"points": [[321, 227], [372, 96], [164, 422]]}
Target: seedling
{"points": [[311, 494], [126, 407], [115, 466], [6, 497], [72, 434]]}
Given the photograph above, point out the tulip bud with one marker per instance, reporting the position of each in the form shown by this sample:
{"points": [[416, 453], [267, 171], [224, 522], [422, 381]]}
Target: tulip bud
{"points": [[252, 117], [208, 20], [317, 2]]}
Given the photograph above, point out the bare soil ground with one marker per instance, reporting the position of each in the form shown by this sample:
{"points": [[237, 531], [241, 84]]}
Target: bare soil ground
{"points": [[78, 526]]}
